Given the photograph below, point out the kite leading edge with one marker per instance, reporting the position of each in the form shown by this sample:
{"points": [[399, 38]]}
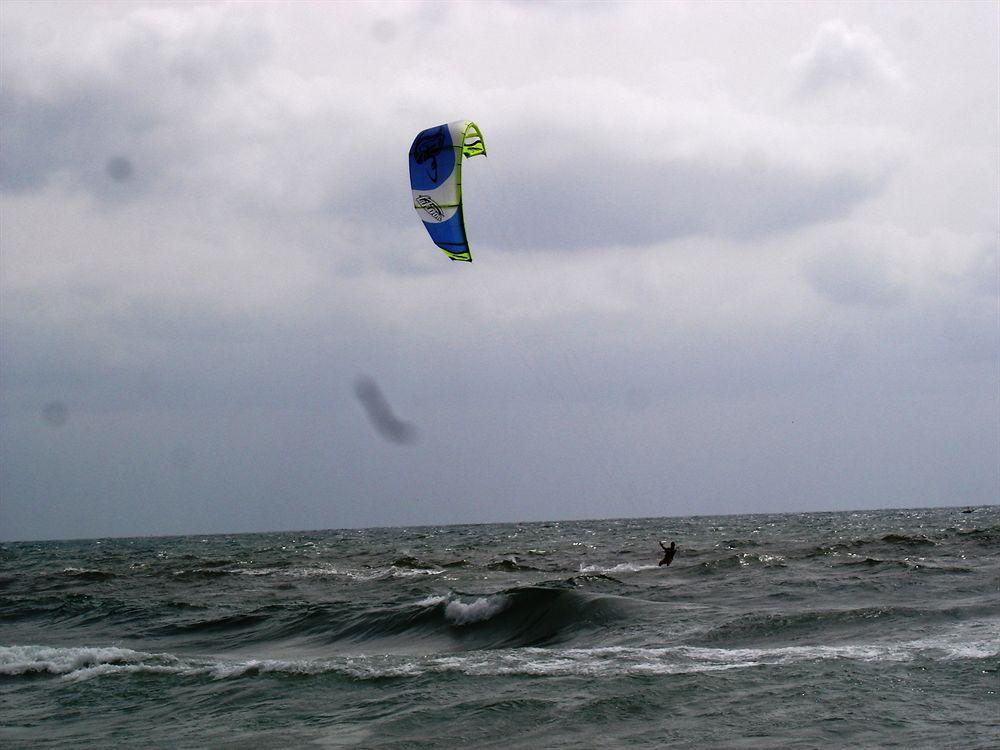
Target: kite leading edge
{"points": [[436, 181]]}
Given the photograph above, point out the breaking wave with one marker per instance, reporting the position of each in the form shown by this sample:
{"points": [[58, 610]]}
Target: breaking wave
{"points": [[84, 663]]}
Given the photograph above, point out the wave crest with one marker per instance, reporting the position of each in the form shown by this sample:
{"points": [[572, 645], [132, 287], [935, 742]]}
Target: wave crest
{"points": [[84, 663]]}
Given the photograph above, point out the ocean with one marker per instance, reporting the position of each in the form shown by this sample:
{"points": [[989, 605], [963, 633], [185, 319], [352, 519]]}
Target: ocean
{"points": [[851, 629]]}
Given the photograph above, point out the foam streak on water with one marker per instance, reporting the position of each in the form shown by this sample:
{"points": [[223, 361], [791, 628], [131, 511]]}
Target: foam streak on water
{"points": [[819, 630]]}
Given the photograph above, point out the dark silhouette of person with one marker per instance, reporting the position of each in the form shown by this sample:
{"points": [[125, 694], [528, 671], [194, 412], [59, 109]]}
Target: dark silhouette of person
{"points": [[668, 553]]}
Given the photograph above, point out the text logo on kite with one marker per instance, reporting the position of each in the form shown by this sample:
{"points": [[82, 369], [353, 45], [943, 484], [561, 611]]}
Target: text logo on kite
{"points": [[432, 208]]}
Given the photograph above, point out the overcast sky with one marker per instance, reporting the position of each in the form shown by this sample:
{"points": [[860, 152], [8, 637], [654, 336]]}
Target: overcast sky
{"points": [[729, 257]]}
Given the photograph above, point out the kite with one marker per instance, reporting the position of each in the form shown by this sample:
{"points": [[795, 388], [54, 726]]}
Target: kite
{"points": [[436, 181]]}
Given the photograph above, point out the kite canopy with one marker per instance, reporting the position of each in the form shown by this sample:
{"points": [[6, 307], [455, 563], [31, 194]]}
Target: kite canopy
{"points": [[436, 181]]}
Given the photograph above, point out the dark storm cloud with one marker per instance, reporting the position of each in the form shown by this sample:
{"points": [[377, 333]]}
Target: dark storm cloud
{"points": [[55, 413], [119, 168], [74, 136], [92, 125], [597, 202], [849, 277], [380, 414], [146, 80]]}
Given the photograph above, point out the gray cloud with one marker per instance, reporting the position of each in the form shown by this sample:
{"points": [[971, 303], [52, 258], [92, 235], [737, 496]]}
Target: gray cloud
{"points": [[983, 273], [593, 202], [849, 277], [161, 129], [141, 88], [748, 304], [55, 413]]}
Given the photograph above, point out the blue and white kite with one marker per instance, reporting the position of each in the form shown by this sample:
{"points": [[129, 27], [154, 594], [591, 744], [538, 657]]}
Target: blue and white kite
{"points": [[436, 180]]}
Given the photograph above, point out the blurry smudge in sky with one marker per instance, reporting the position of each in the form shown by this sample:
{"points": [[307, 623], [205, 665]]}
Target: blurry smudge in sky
{"points": [[55, 413], [380, 413], [119, 168]]}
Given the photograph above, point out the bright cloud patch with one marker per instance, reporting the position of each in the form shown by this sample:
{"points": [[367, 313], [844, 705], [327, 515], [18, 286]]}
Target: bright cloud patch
{"points": [[840, 56]]}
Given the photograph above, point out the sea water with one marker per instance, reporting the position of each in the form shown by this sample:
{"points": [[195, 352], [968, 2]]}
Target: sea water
{"points": [[852, 629]]}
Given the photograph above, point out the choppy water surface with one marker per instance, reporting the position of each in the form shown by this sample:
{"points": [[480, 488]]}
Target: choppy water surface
{"points": [[874, 629]]}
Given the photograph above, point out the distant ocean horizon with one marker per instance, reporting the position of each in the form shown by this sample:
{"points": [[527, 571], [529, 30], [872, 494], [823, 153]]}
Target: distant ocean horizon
{"points": [[858, 628], [963, 508]]}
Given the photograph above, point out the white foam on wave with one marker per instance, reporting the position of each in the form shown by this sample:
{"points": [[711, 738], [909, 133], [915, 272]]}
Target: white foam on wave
{"points": [[83, 571], [979, 640], [968, 640], [768, 561], [411, 572], [619, 568], [16, 660], [431, 601], [84, 663], [590, 662], [480, 610], [613, 661], [458, 612], [324, 571]]}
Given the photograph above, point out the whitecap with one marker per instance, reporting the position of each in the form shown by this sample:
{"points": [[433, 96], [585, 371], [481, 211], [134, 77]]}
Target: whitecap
{"points": [[16, 660], [619, 568], [483, 608], [431, 601]]}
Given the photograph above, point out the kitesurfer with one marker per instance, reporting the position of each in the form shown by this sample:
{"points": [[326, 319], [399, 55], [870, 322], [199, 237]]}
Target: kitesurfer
{"points": [[668, 553]]}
